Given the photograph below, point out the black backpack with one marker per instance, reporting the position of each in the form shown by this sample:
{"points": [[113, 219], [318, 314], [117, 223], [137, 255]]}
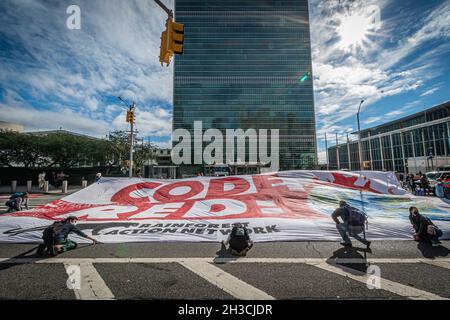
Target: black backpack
{"points": [[355, 217], [50, 233]]}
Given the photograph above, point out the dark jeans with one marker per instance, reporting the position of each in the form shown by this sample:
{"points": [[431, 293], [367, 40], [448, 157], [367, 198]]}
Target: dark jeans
{"points": [[240, 244], [433, 238], [345, 230]]}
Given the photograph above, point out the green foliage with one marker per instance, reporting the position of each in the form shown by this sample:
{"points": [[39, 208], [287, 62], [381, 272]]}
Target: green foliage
{"points": [[66, 151]]}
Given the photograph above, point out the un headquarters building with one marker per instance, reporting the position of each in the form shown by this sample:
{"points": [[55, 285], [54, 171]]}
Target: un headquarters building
{"points": [[247, 65]]}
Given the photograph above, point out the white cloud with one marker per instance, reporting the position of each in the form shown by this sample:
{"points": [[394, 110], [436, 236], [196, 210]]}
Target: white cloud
{"points": [[151, 122], [322, 157], [92, 103], [16, 110], [430, 91], [116, 51], [374, 72]]}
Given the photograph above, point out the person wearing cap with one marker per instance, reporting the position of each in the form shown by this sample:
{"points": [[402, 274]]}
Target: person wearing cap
{"points": [[239, 240]]}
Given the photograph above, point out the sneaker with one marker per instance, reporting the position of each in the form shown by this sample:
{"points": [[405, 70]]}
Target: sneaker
{"points": [[40, 249], [435, 244], [345, 244], [54, 251]]}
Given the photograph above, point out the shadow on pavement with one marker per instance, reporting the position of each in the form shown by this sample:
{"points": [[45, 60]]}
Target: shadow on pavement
{"points": [[30, 254], [350, 253], [223, 253], [24, 255], [432, 252]]}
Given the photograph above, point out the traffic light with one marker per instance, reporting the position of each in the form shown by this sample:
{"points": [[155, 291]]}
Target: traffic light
{"points": [[171, 41], [305, 77], [130, 116], [176, 37], [164, 53]]}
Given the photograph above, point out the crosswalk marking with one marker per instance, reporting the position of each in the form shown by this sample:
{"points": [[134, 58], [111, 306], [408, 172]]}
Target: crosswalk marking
{"points": [[225, 281], [92, 287], [226, 260], [439, 263], [387, 285]]}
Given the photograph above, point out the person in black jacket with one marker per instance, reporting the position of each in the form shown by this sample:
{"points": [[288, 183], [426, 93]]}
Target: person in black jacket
{"points": [[239, 240], [424, 229]]}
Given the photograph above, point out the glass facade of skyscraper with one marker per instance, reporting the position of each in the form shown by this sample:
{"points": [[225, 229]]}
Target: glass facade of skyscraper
{"points": [[241, 68]]}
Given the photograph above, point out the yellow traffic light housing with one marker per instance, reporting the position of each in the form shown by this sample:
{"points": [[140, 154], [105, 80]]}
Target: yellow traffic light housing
{"points": [[130, 116], [171, 41], [176, 37], [164, 53]]}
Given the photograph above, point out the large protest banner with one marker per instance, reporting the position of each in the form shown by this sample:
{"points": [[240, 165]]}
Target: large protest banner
{"points": [[283, 206]]}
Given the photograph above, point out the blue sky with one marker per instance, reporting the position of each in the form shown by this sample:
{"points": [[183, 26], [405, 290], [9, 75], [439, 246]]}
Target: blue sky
{"points": [[54, 77]]}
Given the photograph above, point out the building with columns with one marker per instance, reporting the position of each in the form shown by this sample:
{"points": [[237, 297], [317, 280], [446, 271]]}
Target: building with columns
{"points": [[419, 142]]}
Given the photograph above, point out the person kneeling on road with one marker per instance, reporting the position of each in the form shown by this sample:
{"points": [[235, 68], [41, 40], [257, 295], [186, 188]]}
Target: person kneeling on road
{"points": [[56, 237], [424, 228], [239, 240], [17, 202], [353, 224]]}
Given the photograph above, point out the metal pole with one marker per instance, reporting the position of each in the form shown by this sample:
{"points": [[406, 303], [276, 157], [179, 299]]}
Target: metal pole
{"points": [[370, 153], [423, 143], [337, 153], [446, 140], [359, 137], [434, 144], [131, 143], [414, 150], [392, 152], [403, 152], [167, 10], [348, 154], [326, 151], [382, 155]]}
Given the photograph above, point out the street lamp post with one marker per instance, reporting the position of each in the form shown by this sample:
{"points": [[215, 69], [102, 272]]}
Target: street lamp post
{"points": [[359, 136]]}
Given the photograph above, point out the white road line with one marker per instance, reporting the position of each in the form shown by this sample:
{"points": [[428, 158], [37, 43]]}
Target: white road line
{"points": [[223, 260], [438, 263], [387, 285], [92, 285], [225, 281]]}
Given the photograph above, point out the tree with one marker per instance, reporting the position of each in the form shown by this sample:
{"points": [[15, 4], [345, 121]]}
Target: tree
{"points": [[18, 149]]}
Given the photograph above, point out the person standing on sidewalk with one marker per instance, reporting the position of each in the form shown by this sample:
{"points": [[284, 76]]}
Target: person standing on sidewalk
{"points": [[41, 180]]}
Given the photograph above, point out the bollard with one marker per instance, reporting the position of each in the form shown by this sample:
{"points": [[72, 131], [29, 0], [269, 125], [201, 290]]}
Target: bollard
{"points": [[13, 186], [45, 186], [29, 185], [83, 183], [64, 186]]}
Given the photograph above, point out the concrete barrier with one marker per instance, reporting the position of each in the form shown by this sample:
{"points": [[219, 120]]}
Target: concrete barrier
{"points": [[46, 186], [29, 185], [13, 186], [64, 186]]}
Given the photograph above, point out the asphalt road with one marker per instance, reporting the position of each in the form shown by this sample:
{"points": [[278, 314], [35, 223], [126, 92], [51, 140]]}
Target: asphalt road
{"points": [[196, 271], [283, 270]]}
